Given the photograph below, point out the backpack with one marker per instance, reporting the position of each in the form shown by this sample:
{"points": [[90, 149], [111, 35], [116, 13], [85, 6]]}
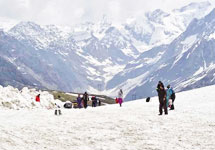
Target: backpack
{"points": [[173, 94], [147, 99]]}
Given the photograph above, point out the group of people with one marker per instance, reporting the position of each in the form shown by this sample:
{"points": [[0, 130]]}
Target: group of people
{"points": [[82, 101], [166, 98]]}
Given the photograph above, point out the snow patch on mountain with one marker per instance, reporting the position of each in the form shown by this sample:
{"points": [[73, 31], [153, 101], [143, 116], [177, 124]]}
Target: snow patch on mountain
{"points": [[198, 71], [211, 36]]}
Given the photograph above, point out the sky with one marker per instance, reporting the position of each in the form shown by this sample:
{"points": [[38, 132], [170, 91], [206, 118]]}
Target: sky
{"points": [[70, 12]]}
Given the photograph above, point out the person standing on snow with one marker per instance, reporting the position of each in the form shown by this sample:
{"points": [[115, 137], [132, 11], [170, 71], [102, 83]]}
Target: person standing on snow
{"points": [[85, 99], [162, 100], [94, 101], [57, 109], [168, 95], [120, 97], [172, 96], [79, 101]]}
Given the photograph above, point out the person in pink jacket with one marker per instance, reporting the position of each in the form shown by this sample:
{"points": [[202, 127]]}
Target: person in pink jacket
{"points": [[120, 97]]}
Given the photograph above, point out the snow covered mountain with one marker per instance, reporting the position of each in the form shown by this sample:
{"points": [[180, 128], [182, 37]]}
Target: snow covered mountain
{"points": [[188, 59], [57, 61], [160, 27], [104, 57]]}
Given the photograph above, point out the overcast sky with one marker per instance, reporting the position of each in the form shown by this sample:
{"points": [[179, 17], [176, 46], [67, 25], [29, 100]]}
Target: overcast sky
{"points": [[68, 12]]}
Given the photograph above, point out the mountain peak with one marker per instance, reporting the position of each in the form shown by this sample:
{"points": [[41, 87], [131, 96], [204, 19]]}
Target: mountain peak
{"points": [[156, 14], [27, 23], [195, 5], [26, 26]]}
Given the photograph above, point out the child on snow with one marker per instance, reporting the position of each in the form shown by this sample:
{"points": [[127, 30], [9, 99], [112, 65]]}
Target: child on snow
{"points": [[57, 109]]}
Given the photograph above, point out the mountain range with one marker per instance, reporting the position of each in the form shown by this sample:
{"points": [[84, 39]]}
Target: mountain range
{"points": [[176, 47]]}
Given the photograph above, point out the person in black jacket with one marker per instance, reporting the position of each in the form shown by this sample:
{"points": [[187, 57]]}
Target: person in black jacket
{"points": [[85, 99], [162, 98]]}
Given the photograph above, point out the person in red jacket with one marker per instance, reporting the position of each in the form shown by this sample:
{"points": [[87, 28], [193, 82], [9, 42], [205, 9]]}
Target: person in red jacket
{"points": [[38, 98]]}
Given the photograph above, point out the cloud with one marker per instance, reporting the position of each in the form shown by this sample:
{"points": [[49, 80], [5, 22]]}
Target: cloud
{"points": [[68, 12]]}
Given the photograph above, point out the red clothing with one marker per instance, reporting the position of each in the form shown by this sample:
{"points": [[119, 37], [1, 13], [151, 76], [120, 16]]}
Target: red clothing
{"points": [[116, 100], [37, 99]]}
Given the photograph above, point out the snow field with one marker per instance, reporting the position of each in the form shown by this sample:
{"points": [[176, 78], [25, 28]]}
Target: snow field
{"points": [[134, 126]]}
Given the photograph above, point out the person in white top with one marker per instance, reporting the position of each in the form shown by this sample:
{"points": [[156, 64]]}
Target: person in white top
{"points": [[120, 97]]}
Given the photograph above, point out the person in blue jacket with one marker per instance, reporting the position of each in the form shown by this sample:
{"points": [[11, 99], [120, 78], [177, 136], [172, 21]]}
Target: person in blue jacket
{"points": [[172, 96], [169, 93]]}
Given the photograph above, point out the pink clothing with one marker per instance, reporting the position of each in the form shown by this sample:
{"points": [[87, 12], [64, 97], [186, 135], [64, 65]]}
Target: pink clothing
{"points": [[120, 100]]}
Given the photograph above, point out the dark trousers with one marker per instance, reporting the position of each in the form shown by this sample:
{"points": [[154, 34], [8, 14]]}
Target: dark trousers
{"points": [[59, 112], [85, 103], [161, 106], [94, 103], [173, 99]]}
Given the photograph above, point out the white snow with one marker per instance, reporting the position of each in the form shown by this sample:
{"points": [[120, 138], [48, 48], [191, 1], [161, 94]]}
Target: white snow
{"points": [[198, 71], [162, 66], [186, 45], [188, 42], [153, 60], [211, 36], [128, 52], [14, 99], [63, 53], [134, 126]]}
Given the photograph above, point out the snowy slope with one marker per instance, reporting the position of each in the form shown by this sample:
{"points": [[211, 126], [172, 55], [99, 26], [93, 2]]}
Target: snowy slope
{"points": [[188, 55], [134, 126]]}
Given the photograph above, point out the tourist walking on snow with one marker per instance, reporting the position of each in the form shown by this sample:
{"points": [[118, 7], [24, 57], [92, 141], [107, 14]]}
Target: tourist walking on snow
{"points": [[79, 101], [172, 97], [162, 98], [85, 99], [120, 97]]}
